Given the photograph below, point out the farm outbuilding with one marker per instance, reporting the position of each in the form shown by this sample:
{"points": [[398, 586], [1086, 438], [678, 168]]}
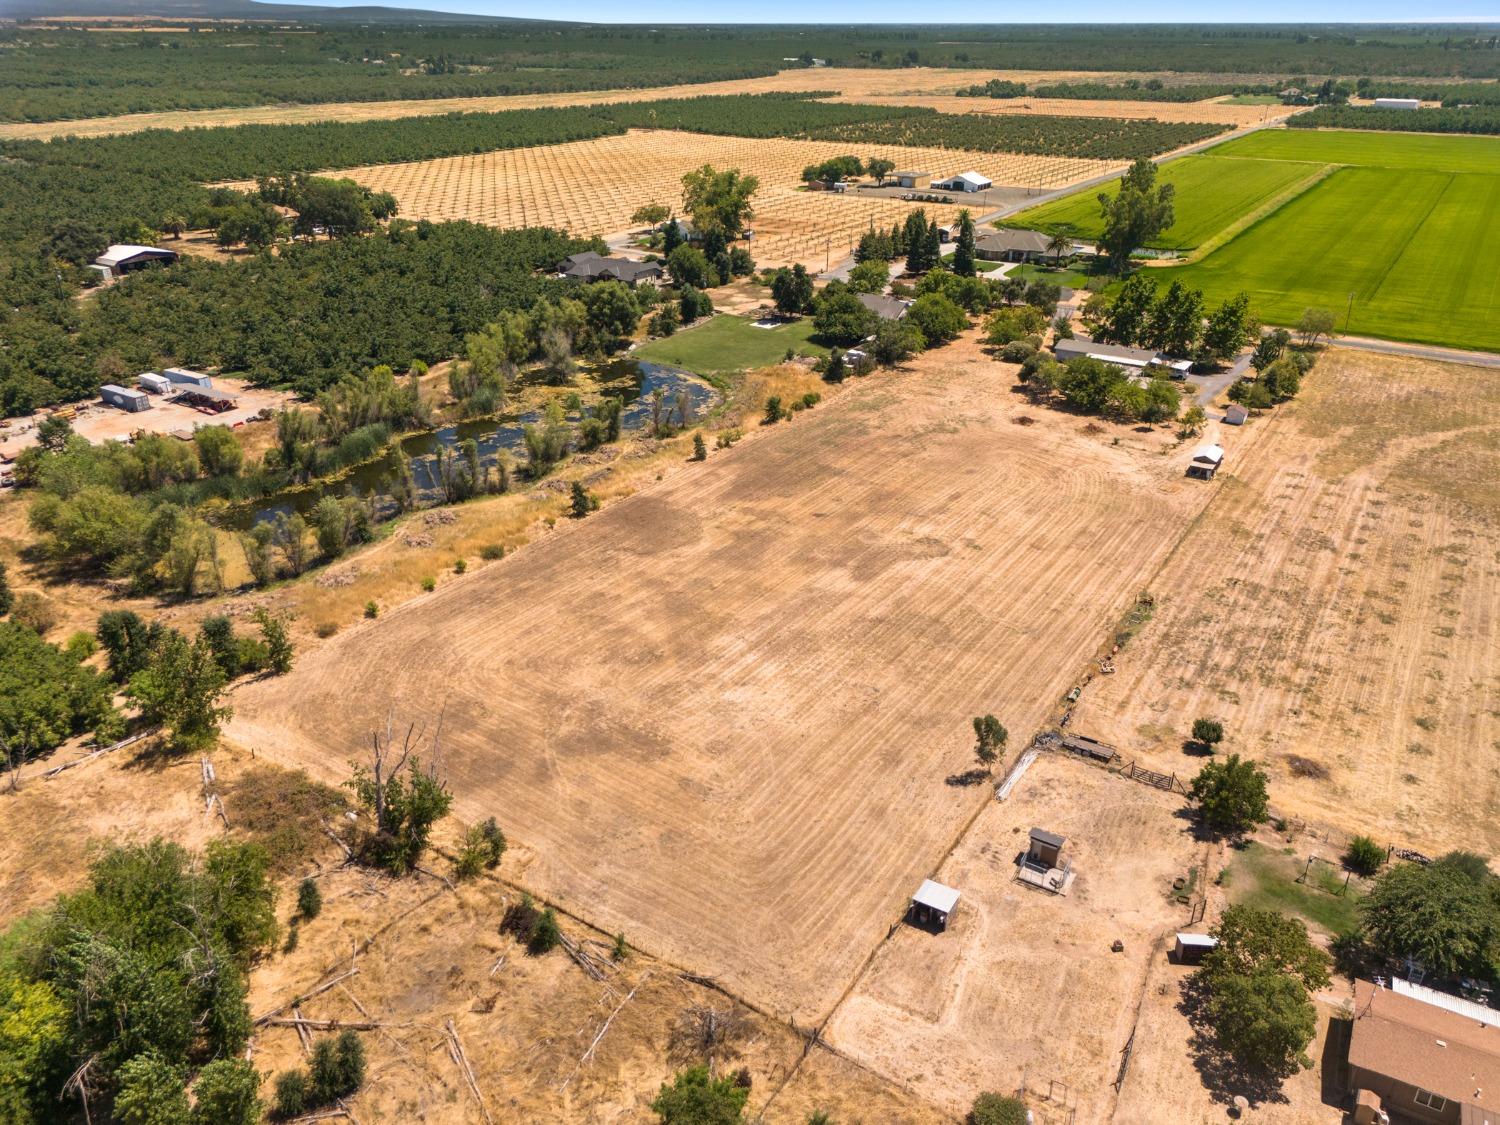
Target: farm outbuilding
{"points": [[964, 181], [1042, 864], [207, 398], [1398, 103], [152, 383], [1235, 414], [1206, 462], [124, 398], [932, 904], [124, 258], [1189, 949], [912, 179], [187, 377]]}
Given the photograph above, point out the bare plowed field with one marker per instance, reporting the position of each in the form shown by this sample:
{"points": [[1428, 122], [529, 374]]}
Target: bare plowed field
{"points": [[593, 187], [1213, 112], [720, 713], [850, 82], [1338, 607]]}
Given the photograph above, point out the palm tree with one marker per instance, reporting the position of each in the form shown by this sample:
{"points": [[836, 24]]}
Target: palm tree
{"points": [[1059, 244], [174, 224]]}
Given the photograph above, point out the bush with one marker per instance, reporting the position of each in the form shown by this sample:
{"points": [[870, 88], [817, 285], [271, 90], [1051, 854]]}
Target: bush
{"points": [[695, 1097], [774, 413], [1365, 856], [326, 629], [429, 584], [1208, 732], [546, 935], [227, 1093], [337, 1068], [372, 610], [997, 1109], [309, 899], [1017, 351], [35, 612], [491, 551], [700, 447], [483, 846], [293, 1094]]}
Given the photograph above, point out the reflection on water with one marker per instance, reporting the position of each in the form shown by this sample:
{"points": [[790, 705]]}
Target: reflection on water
{"points": [[632, 380]]}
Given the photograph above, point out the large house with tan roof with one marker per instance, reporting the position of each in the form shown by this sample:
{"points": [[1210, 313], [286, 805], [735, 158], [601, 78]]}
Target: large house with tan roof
{"points": [[1420, 1055]]}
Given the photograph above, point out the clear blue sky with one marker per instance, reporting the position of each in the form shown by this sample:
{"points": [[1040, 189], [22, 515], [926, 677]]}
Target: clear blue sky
{"points": [[965, 11]]}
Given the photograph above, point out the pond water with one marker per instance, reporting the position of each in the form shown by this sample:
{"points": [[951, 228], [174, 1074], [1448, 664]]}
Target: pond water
{"points": [[634, 381]]}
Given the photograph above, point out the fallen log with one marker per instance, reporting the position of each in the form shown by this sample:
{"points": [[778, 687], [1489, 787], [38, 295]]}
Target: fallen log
{"points": [[302, 996], [456, 1049], [587, 1055]]}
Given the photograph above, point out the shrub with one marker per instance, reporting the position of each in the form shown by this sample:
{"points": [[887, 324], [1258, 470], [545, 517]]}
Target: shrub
{"points": [[459, 566], [1208, 732], [1365, 856], [1017, 351], [35, 612], [227, 1093], [811, 399], [491, 551], [309, 899], [429, 584], [621, 950], [293, 1094], [997, 1109], [727, 438], [326, 629], [582, 501], [700, 447], [695, 1097], [546, 935], [337, 1068], [372, 610], [481, 850], [774, 413]]}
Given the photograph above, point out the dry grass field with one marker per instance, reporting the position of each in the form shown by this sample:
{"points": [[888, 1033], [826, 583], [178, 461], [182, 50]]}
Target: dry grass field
{"points": [[1338, 607], [848, 82], [1213, 112], [1023, 987], [427, 955], [593, 187], [720, 713]]}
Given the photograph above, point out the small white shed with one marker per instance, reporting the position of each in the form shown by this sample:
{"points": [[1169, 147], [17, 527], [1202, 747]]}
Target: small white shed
{"points": [[1398, 103], [153, 383], [932, 904], [1189, 949]]}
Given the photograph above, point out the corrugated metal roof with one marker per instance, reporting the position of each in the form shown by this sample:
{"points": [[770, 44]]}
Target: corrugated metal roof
{"points": [[935, 896], [1455, 1004]]}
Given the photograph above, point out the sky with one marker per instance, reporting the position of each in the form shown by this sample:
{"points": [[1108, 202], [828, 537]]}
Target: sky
{"points": [[963, 11]]}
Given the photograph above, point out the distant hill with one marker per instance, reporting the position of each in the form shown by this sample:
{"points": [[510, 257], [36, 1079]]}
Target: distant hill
{"points": [[234, 10]]}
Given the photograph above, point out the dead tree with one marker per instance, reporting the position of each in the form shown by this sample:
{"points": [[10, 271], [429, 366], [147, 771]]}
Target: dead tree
{"points": [[704, 1032]]}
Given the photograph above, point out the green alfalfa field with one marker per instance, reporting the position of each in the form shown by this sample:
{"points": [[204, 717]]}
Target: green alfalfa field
{"points": [[1409, 225]]}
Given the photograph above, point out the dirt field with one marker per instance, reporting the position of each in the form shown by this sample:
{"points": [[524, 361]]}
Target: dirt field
{"points": [[850, 82], [1023, 987], [1211, 112], [720, 712], [1337, 603], [593, 187], [100, 423]]}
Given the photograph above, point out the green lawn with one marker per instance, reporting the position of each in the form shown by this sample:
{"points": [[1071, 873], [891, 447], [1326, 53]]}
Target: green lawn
{"points": [[1415, 151], [1212, 192], [1071, 278], [1267, 880], [1416, 248], [731, 343], [1252, 99]]}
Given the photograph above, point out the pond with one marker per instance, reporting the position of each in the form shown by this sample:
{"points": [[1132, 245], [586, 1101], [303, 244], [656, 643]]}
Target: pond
{"points": [[634, 381]]}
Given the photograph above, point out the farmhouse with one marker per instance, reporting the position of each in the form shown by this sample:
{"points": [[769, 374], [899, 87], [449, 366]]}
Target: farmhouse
{"points": [[886, 308], [964, 181], [1079, 347], [1206, 462], [932, 904], [1423, 1055], [590, 266], [125, 398], [912, 179], [124, 258], [1012, 246]]}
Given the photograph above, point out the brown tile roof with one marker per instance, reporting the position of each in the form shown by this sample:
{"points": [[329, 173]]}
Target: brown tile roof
{"points": [[1426, 1046]]}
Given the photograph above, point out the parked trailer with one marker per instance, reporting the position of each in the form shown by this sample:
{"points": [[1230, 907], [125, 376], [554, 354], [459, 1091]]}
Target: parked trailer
{"points": [[125, 398], [155, 384], [188, 377]]}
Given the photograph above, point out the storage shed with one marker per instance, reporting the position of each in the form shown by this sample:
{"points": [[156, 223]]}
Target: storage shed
{"points": [[188, 377], [1398, 103], [123, 258], [125, 398], [964, 181], [152, 383], [1045, 848], [932, 904], [1235, 414], [1189, 949], [1206, 462], [912, 179]]}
